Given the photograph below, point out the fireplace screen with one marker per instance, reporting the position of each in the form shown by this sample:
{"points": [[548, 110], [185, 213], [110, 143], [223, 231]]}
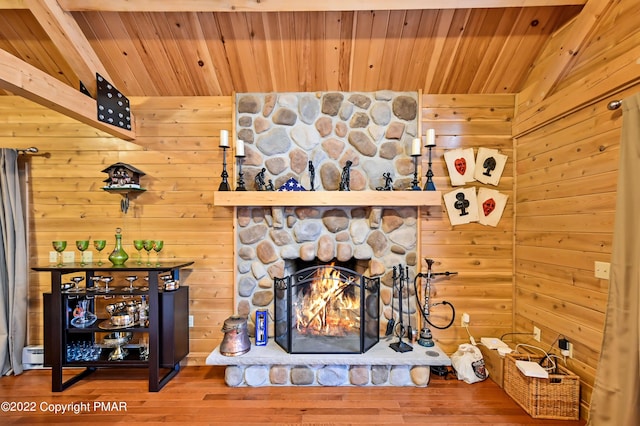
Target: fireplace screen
{"points": [[327, 309]]}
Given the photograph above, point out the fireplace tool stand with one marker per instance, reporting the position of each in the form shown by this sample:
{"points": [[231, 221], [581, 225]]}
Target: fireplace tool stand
{"points": [[400, 278], [426, 339]]}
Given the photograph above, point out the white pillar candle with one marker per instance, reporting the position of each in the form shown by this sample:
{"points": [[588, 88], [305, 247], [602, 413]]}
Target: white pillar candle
{"points": [[431, 137], [415, 147], [240, 148], [224, 138]]}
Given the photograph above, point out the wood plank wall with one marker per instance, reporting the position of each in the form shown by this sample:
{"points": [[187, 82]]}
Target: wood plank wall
{"points": [[177, 147], [566, 176], [482, 255]]}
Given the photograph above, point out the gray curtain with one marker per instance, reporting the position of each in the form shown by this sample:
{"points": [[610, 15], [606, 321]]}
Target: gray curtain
{"points": [[616, 394], [13, 266]]}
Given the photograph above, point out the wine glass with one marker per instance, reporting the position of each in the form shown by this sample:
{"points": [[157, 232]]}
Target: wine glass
{"points": [[82, 245], [138, 244], [157, 247], [99, 246], [59, 246], [148, 246]]}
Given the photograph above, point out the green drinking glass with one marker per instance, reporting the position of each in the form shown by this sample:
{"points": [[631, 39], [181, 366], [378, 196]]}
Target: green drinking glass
{"points": [[157, 247], [139, 245], [82, 245], [148, 246], [59, 246], [99, 245]]}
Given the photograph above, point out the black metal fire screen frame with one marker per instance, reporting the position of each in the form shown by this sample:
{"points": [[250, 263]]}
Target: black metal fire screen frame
{"points": [[286, 290]]}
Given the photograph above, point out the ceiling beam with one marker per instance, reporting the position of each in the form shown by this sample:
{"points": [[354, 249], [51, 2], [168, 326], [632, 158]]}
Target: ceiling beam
{"points": [[573, 42], [23, 79], [295, 5], [66, 35]]}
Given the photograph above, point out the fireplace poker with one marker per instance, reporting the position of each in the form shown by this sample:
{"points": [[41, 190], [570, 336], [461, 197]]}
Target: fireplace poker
{"points": [[400, 346], [392, 321]]}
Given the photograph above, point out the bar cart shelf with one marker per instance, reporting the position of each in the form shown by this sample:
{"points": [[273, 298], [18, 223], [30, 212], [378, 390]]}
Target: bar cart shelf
{"points": [[165, 332]]}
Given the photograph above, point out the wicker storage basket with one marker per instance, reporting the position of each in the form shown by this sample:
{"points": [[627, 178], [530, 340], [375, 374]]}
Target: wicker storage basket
{"points": [[557, 397]]}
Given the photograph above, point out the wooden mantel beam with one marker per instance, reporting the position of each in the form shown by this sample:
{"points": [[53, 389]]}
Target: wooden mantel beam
{"points": [[23, 79], [295, 5], [66, 34]]}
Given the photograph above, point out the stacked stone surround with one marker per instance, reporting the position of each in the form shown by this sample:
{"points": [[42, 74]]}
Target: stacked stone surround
{"points": [[282, 133], [327, 375]]}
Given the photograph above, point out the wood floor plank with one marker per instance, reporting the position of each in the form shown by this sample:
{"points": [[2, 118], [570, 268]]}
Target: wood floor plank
{"points": [[199, 396]]}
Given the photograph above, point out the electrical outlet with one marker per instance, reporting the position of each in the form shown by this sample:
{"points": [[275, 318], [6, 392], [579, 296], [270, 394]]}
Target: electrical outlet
{"points": [[190, 320], [536, 333], [602, 270], [53, 256], [68, 256], [465, 320], [570, 350]]}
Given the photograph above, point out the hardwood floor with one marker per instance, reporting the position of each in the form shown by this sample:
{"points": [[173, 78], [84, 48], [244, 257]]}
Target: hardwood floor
{"points": [[199, 396]]}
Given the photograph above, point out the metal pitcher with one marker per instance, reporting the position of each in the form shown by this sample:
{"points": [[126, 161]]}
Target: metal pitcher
{"points": [[236, 338]]}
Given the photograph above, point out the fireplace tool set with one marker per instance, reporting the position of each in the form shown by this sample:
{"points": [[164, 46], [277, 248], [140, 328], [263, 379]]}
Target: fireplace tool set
{"points": [[400, 281]]}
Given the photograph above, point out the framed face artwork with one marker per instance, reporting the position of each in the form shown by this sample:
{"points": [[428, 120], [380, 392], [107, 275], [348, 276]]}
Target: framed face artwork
{"points": [[461, 165]]}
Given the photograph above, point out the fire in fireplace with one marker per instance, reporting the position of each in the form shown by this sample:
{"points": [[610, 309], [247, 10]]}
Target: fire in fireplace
{"points": [[327, 309]]}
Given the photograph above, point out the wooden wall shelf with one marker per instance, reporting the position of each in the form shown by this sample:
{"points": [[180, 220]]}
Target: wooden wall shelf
{"points": [[327, 198]]}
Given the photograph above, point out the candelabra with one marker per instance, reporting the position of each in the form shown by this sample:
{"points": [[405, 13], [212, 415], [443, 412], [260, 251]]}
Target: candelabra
{"points": [[224, 144], [415, 183], [431, 143], [429, 185], [224, 185], [240, 186]]}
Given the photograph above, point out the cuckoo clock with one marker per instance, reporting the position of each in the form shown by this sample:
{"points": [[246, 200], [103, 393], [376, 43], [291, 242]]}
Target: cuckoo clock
{"points": [[123, 179]]}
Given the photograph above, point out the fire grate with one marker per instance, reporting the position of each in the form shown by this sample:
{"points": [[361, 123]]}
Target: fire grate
{"points": [[327, 309]]}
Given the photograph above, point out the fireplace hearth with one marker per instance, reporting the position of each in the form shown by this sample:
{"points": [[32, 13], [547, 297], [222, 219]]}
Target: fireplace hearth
{"points": [[326, 309]]}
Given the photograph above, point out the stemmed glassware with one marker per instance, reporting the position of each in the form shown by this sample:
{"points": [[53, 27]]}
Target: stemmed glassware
{"points": [[131, 279], [82, 245], [148, 246], [139, 245], [157, 247], [99, 246], [59, 246]]}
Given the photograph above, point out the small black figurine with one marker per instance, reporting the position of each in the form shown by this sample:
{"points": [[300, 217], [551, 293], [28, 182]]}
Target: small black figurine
{"points": [[388, 183], [462, 204], [270, 186], [260, 180], [312, 175], [345, 178]]}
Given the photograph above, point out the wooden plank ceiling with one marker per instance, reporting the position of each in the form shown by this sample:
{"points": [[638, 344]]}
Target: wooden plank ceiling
{"points": [[185, 48]]}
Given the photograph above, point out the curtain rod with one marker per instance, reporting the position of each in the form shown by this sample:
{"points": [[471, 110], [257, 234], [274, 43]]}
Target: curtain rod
{"points": [[30, 150], [613, 105]]}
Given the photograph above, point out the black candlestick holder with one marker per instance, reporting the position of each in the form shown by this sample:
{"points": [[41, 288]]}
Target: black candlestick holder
{"points": [[415, 184], [240, 186], [429, 185], [224, 185]]}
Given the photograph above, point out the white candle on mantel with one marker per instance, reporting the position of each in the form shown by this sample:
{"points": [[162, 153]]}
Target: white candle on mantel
{"points": [[415, 147], [431, 137], [240, 148], [224, 139]]}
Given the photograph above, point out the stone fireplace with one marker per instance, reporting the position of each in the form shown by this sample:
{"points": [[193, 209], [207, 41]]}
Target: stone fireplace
{"points": [[310, 137], [272, 240], [286, 132]]}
